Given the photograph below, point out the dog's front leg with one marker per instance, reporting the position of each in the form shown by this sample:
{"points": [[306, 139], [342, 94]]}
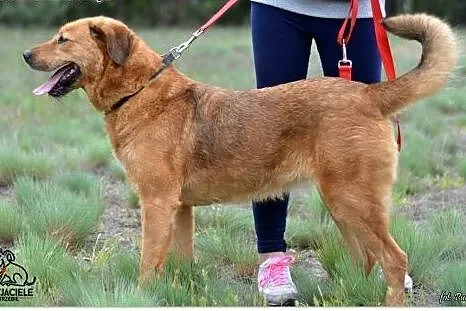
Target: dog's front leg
{"points": [[157, 225], [183, 232]]}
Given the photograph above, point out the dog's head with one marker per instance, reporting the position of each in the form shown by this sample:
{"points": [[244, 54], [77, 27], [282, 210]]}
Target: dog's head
{"points": [[6, 257], [80, 54]]}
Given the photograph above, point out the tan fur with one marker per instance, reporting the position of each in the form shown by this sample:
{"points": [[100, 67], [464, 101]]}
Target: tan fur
{"points": [[184, 143]]}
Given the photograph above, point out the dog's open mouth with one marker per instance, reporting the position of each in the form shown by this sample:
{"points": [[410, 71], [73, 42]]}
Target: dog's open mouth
{"points": [[60, 81]]}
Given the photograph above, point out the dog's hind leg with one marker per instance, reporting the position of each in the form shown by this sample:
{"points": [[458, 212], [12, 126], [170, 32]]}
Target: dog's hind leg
{"points": [[183, 232], [358, 253], [361, 213]]}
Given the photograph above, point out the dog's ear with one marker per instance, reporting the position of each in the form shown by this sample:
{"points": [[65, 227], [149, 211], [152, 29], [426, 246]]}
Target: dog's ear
{"points": [[9, 256], [117, 39]]}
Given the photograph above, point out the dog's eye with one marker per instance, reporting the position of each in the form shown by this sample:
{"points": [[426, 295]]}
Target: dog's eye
{"points": [[61, 40]]}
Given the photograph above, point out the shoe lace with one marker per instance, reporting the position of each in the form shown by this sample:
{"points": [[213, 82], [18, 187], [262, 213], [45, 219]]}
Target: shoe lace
{"points": [[275, 272]]}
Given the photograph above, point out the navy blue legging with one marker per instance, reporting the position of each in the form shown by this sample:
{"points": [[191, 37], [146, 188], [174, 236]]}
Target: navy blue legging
{"points": [[282, 42]]}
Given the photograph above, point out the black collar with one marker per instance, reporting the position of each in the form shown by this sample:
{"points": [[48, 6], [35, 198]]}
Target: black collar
{"points": [[166, 62]]}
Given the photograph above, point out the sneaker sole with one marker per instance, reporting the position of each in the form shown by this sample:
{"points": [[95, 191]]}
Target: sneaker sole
{"points": [[287, 303]]}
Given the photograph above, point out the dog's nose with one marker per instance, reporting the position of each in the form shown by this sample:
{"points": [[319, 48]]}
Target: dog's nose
{"points": [[27, 55]]}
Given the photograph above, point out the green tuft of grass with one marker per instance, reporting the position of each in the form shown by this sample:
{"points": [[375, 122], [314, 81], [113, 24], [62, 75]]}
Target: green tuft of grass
{"points": [[185, 283], [114, 264], [133, 198], [332, 252], [450, 102], [449, 222], [80, 183], [309, 230], [53, 208], [462, 167], [116, 170], [311, 291], [46, 260], [234, 220], [218, 228], [11, 223], [15, 163], [93, 293], [349, 286], [307, 233], [352, 287], [422, 248], [96, 153], [409, 184], [448, 230], [230, 248], [417, 156]]}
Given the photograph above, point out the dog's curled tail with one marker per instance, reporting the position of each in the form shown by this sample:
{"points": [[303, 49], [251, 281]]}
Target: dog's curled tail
{"points": [[439, 56]]}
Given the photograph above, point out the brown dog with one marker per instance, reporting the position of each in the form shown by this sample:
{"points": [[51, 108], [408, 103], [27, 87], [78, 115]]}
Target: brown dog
{"points": [[184, 143]]}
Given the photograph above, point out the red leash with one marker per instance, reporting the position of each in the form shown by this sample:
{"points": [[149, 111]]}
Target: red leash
{"points": [[345, 65], [352, 15], [217, 15], [175, 52]]}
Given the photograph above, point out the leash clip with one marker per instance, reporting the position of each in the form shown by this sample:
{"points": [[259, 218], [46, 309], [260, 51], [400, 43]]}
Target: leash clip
{"points": [[344, 61], [345, 65], [176, 51]]}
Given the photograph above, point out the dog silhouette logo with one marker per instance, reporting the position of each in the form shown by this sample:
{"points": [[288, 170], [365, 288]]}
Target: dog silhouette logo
{"points": [[11, 273]]}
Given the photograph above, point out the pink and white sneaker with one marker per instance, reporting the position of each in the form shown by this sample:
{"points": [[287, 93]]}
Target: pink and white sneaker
{"points": [[275, 283]]}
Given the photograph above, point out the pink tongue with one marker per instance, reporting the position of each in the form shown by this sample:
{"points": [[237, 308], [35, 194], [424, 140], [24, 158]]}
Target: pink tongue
{"points": [[51, 82]]}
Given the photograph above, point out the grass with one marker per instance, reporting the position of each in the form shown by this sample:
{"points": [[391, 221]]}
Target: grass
{"points": [[132, 197], [308, 228], [15, 163], [452, 281], [67, 209], [54, 159], [10, 223]]}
